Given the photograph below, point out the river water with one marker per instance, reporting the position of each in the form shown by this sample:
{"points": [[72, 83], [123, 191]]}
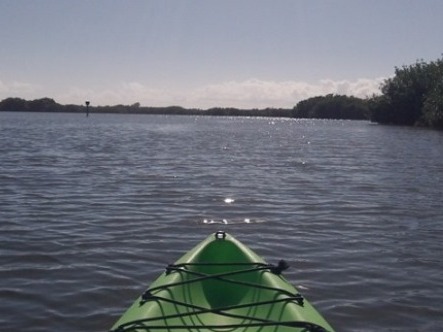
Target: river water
{"points": [[92, 209]]}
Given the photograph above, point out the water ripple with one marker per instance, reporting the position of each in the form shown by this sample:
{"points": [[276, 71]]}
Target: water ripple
{"points": [[91, 211]]}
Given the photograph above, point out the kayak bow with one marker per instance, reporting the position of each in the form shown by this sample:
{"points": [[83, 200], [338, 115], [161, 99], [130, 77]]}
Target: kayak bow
{"points": [[222, 285]]}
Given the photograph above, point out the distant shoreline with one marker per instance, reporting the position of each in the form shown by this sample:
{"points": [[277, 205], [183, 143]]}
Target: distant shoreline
{"points": [[413, 97], [49, 105]]}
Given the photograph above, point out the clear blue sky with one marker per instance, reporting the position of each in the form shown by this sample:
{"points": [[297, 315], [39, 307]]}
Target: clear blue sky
{"points": [[204, 53]]}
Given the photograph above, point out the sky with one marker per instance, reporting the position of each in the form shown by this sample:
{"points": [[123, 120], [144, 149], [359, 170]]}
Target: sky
{"points": [[210, 53]]}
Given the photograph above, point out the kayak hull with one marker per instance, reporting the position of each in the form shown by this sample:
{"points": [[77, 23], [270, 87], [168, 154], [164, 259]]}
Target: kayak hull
{"points": [[222, 285]]}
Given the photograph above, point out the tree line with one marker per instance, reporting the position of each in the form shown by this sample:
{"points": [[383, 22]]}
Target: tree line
{"points": [[413, 96], [332, 107], [50, 105], [325, 107]]}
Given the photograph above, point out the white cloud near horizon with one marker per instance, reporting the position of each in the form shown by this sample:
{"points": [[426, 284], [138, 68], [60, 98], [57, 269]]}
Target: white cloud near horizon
{"points": [[251, 93], [256, 93], [18, 89]]}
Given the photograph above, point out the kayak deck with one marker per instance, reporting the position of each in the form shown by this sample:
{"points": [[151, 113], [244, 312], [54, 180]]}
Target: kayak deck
{"points": [[221, 285]]}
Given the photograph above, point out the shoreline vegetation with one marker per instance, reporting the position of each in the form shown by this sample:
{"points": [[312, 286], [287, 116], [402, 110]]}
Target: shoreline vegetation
{"points": [[326, 107], [413, 97]]}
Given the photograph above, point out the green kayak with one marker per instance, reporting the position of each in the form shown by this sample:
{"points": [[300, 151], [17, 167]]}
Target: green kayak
{"points": [[221, 285]]}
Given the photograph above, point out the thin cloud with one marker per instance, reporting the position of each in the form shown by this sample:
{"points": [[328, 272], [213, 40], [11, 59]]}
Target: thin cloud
{"points": [[126, 93], [256, 93], [18, 89]]}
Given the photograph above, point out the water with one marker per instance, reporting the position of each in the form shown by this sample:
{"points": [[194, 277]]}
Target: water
{"points": [[92, 209]]}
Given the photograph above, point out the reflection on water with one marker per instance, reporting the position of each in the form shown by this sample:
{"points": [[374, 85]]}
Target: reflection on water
{"points": [[93, 209], [232, 221]]}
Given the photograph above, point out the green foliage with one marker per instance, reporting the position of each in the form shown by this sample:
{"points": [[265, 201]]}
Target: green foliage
{"points": [[433, 107], [14, 105], [44, 105], [49, 105], [37, 105], [332, 107], [412, 96]]}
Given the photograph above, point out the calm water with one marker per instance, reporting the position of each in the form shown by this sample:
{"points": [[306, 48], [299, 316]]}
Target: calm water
{"points": [[92, 209]]}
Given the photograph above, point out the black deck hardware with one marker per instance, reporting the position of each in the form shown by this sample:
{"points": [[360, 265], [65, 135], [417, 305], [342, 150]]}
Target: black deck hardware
{"points": [[282, 295]]}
